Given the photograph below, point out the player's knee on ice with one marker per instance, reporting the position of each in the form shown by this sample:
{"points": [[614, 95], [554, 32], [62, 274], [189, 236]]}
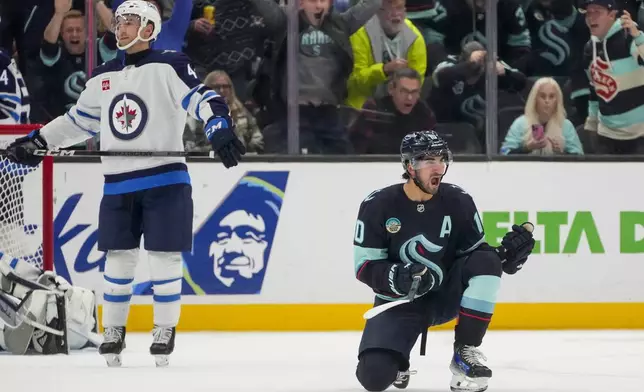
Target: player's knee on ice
{"points": [[377, 369]]}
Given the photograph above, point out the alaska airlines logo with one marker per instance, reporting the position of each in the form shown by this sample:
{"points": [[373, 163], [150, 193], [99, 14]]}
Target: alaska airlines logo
{"points": [[231, 249], [605, 84]]}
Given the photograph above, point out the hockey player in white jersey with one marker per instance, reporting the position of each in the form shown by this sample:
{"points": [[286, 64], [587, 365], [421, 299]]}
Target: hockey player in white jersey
{"points": [[140, 103]]}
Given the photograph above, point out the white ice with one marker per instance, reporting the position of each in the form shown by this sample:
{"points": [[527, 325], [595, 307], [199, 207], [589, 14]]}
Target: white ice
{"points": [[603, 361]]}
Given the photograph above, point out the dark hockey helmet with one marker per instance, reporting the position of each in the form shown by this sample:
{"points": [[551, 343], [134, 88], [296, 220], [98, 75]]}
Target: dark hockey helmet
{"points": [[421, 145]]}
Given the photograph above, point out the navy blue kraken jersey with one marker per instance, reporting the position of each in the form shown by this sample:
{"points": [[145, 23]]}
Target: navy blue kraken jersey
{"points": [[392, 228]]}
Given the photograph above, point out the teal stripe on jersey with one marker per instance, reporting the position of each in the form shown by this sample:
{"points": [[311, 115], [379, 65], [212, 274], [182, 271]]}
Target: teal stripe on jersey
{"points": [[623, 66], [362, 255]]}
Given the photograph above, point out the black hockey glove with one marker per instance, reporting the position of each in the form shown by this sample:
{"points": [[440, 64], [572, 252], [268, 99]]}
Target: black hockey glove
{"points": [[515, 248], [511, 268], [221, 134], [401, 278], [20, 151]]}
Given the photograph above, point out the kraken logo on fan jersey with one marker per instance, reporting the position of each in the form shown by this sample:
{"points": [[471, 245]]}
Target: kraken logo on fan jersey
{"points": [[550, 34], [74, 85], [473, 108]]}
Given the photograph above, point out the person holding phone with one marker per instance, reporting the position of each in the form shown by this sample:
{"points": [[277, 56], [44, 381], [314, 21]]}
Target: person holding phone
{"points": [[543, 129]]}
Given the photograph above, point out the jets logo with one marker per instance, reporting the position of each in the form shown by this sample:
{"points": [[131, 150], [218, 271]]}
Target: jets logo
{"points": [[128, 116]]}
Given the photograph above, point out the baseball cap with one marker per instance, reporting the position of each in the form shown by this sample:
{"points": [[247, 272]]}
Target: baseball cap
{"points": [[608, 4]]}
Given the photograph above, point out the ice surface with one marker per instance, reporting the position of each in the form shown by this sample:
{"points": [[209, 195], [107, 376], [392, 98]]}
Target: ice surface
{"points": [[603, 361]]}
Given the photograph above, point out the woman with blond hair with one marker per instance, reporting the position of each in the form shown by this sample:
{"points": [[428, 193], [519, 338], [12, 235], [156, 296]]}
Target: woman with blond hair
{"points": [[246, 127], [543, 129]]}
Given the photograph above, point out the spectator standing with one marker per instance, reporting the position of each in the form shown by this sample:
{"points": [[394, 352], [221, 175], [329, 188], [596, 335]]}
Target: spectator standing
{"points": [[543, 129], [558, 33], [614, 60], [385, 120], [227, 35], [387, 42], [325, 60], [458, 94], [453, 23], [62, 54]]}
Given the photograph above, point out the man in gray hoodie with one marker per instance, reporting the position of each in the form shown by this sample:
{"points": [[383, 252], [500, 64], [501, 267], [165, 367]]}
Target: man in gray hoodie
{"points": [[325, 61]]}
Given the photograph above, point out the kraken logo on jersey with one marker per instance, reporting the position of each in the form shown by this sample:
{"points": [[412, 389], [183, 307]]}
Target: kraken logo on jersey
{"points": [[473, 108], [415, 249], [128, 116], [74, 85], [550, 35]]}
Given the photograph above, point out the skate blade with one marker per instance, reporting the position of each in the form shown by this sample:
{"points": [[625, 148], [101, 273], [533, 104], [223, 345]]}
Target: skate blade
{"points": [[162, 360], [461, 383], [113, 360]]}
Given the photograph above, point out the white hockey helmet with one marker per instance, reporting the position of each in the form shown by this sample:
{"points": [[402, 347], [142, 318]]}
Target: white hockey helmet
{"points": [[146, 13]]}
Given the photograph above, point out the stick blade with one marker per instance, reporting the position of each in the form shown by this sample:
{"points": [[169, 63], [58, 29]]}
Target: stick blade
{"points": [[376, 310]]}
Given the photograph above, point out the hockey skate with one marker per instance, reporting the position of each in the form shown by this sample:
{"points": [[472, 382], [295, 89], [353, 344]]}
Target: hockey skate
{"points": [[113, 344], [469, 374], [162, 345], [402, 380]]}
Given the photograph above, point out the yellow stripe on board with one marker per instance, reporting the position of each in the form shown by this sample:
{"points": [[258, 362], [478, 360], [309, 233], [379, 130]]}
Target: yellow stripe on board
{"points": [[348, 317]]}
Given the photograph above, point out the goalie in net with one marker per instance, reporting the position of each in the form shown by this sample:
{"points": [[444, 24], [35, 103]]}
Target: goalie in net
{"points": [[40, 312]]}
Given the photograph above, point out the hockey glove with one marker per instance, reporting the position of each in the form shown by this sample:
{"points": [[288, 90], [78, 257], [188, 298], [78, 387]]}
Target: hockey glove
{"points": [[511, 268], [401, 278], [221, 134], [21, 150], [515, 248]]}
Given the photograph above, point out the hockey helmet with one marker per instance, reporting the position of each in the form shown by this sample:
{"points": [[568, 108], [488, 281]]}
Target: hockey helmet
{"points": [[146, 13], [417, 147]]}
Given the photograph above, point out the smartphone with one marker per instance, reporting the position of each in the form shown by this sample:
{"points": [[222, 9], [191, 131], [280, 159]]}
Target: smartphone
{"points": [[537, 132]]}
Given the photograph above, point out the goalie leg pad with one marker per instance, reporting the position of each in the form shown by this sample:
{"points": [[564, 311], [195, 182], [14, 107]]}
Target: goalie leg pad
{"points": [[118, 277], [166, 271]]}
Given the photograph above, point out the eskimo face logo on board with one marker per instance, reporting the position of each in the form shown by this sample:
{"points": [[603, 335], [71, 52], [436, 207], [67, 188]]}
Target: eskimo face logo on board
{"points": [[231, 249]]}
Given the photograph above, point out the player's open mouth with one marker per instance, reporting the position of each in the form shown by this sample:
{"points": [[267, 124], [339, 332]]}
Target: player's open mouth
{"points": [[434, 181]]}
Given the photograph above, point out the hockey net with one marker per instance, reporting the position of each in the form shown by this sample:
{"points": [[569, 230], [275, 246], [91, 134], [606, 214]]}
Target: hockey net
{"points": [[26, 205]]}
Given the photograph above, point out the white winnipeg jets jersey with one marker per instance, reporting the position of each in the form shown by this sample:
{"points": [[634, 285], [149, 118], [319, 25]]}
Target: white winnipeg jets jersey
{"points": [[14, 98], [143, 106]]}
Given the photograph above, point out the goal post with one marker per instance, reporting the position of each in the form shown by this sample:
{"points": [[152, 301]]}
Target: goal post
{"points": [[26, 205]]}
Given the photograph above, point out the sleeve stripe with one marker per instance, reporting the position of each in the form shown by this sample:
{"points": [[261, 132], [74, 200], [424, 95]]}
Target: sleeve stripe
{"points": [[73, 120], [85, 114], [11, 113], [10, 97], [185, 102]]}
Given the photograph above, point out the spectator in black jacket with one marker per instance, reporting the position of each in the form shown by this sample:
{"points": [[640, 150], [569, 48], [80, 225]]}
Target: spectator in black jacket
{"points": [[458, 94]]}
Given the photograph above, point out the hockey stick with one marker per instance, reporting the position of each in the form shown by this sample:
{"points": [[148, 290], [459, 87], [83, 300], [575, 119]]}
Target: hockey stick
{"points": [[376, 310], [117, 153]]}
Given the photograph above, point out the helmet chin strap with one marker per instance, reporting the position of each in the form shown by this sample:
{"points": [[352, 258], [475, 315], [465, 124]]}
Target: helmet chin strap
{"points": [[134, 41]]}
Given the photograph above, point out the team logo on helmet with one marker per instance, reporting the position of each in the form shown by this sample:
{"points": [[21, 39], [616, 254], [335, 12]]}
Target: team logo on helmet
{"points": [[393, 225], [128, 116]]}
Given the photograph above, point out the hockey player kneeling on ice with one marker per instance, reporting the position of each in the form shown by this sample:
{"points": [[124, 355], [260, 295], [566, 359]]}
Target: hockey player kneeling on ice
{"points": [[41, 313], [423, 240], [141, 104]]}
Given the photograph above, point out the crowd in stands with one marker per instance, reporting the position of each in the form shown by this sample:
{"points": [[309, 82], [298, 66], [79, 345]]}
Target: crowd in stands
{"points": [[570, 72]]}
